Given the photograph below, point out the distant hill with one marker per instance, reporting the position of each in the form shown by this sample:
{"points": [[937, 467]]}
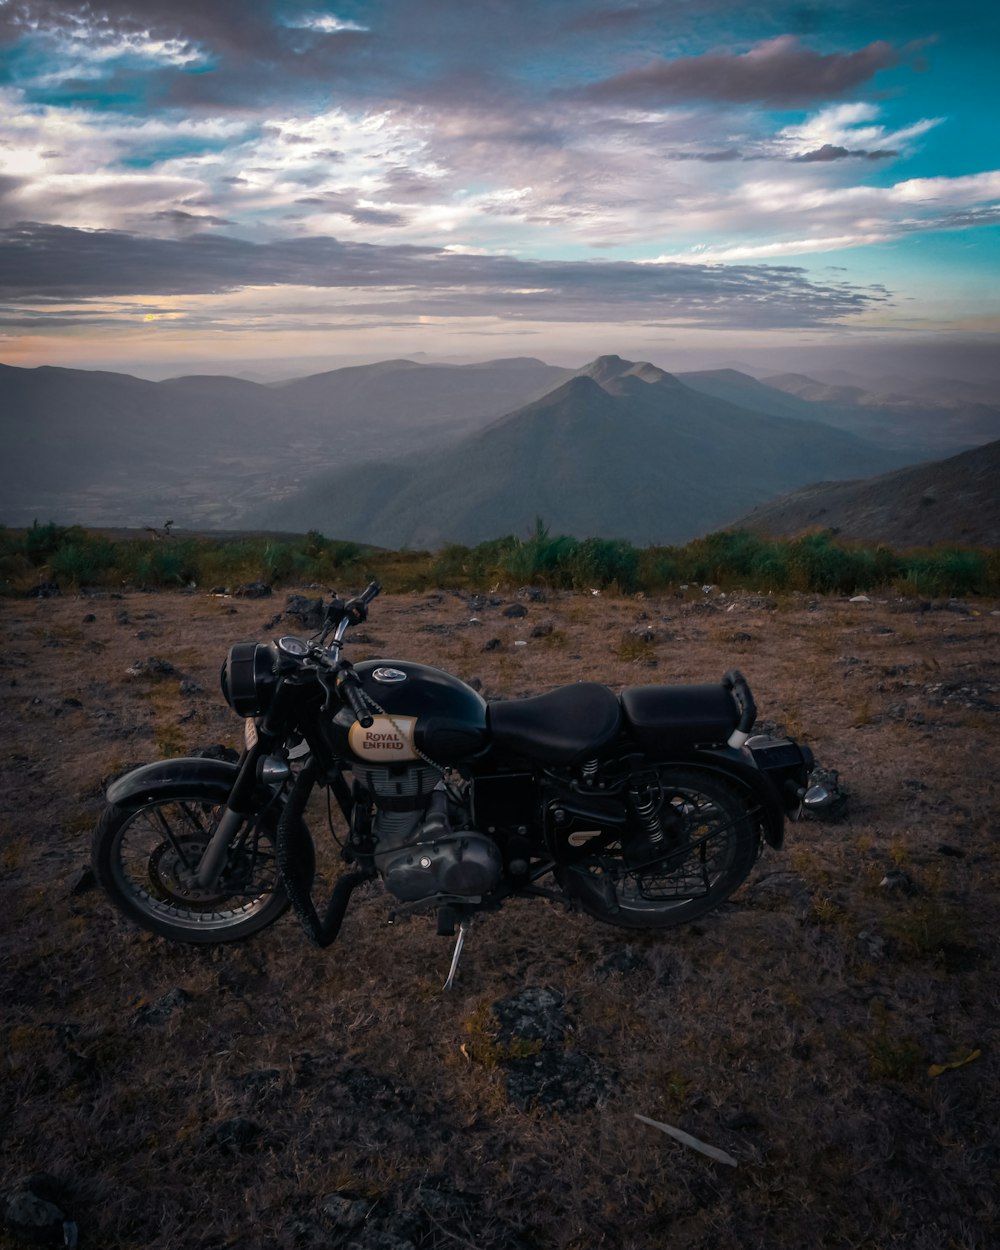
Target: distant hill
{"points": [[108, 448], [954, 501], [620, 450], [943, 418]]}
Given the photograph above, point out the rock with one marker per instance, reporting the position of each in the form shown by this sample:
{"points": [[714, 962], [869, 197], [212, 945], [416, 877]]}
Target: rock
{"points": [[253, 590], [556, 1081], [494, 644], [34, 1210], [190, 688], [534, 594], [542, 630], [954, 852], [216, 752], [859, 599], [152, 667], [897, 880], [515, 611], [310, 613], [44, 590], [89, 619], [624, 962], [343, 1211], [532, 1014], [163, 1007]]}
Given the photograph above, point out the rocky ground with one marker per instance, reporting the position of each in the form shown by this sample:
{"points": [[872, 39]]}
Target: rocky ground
{"points": [[833, 1029]]}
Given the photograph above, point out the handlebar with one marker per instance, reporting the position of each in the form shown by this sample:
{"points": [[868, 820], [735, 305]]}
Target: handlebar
{"points": [[350, 690]]}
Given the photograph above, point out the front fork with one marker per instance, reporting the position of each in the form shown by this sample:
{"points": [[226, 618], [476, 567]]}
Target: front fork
{"points": [[243, 800], [213, 861]]}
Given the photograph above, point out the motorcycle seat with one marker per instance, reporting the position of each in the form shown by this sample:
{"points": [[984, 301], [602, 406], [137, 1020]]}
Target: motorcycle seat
{"points": [[559, 727], [665, 718]]}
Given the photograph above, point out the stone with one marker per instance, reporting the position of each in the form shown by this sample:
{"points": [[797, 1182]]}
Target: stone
{"points": [[515, 611], [343, 1211], [33, 1210], [253, 590], [163, 1007], [310, 613], [151, 667]]}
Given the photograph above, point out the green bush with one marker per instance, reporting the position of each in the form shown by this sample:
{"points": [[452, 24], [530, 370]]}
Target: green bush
{"points": [[597, 562], [946, 571], [84, 562], [816, 562]]}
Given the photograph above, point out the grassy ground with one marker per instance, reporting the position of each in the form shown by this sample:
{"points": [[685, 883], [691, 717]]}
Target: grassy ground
{"points": [[268, 1095]]}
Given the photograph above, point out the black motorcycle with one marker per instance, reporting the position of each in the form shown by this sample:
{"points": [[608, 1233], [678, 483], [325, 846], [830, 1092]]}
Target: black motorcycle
{"points": [[646, 810]]}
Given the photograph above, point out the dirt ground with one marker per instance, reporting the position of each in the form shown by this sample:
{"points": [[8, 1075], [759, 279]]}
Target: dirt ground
{"points": [[833, 1028]]}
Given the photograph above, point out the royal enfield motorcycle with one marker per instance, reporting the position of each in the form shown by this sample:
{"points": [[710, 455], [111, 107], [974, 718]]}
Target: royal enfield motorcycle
{"points": [[645, 809]]}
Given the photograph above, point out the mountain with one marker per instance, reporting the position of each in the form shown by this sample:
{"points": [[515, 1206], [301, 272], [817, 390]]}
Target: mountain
{"points": [[942, 418], [620, 450], [108, 448], [953, 501]]}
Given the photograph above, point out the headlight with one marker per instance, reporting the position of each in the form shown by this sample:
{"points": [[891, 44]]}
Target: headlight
{"points": [[248, 678]]}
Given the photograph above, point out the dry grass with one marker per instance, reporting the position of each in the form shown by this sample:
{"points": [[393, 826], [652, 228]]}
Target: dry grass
{"points": [[792, 1029]]}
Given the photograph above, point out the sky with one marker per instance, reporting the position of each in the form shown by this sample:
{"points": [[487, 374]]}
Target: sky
{"points": [[259, 183]]}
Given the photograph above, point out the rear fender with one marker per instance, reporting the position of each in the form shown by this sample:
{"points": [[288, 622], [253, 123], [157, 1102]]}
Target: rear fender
{"points": [[731, 764]]}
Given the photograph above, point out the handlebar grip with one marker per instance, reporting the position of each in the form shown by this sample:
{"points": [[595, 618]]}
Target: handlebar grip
{"points": [[349, 688], [370, 591]]}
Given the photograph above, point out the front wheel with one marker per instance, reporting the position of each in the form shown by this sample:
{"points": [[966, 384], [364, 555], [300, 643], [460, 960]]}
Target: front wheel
{"points": [[145, 858], [709, 845]]}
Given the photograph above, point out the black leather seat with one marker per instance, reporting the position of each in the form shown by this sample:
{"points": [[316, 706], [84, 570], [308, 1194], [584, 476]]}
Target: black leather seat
{"points": [[664, 718], [564, 725]]}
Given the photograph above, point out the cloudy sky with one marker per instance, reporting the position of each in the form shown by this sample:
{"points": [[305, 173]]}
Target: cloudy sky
{"points": [[263, 180]]}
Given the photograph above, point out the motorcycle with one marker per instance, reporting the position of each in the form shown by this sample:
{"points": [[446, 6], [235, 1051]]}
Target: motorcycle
{"points": [[646, 809]]}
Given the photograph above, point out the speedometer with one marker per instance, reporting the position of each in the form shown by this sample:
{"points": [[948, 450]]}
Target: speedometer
{"points": [[291, 645]]}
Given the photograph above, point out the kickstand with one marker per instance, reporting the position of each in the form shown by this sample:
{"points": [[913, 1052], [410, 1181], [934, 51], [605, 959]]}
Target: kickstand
{"points": [[456, 956]]}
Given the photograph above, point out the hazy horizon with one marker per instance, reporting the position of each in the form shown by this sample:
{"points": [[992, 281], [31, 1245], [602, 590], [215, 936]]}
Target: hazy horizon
{"points": [[248, 184]]}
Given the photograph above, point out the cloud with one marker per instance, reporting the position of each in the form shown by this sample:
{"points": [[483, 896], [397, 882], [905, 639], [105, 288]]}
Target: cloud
{"points": [[50, 264], [831, 152], [853, 127], [778, 72]]}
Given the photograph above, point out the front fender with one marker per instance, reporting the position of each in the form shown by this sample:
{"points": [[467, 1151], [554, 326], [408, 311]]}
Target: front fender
{"points": [[193, 777], [731, 764]]}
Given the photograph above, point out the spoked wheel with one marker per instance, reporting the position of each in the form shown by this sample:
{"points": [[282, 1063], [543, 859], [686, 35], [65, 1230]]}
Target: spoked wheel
{"points": [[708, 848], [146, 859]]}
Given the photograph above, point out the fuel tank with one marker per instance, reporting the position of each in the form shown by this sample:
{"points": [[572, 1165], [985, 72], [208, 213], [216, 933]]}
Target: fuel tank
{"points": [[425, 710]]}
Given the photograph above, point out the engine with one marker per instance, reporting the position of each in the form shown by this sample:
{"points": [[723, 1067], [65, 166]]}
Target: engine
{"points": [[419, 854]]}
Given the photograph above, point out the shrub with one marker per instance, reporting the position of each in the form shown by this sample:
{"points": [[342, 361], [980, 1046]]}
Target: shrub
{"points": [[601, 561]]}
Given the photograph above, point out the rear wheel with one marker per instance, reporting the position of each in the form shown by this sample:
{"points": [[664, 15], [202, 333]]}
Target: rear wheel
{"points": [[145, 858], [709, 846]]}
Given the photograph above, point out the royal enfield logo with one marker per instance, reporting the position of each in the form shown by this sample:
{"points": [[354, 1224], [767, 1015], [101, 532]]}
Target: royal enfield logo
{"points": [[386, 740], [388, 676]]}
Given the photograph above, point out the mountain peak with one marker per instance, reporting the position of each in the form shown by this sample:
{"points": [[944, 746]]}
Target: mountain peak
{"points": [[607, 369]]}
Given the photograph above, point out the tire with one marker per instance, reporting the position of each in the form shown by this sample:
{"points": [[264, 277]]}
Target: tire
{"points": [[142, 855], [713, 844]]}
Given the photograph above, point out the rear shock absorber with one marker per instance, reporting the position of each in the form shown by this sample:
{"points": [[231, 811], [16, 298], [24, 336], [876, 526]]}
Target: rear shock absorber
{"points": [[645, 803], [588, 772]]}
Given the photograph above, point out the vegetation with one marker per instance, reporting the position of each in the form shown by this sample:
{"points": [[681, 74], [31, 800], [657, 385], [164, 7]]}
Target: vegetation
{"points": [[70, 557]]}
